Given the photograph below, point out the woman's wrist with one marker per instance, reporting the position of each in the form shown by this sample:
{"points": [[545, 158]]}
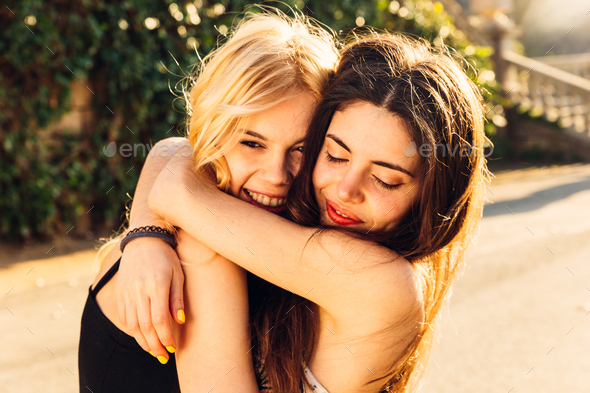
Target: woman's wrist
{"points": [[146, 217], [151, 231], [140, 221]]}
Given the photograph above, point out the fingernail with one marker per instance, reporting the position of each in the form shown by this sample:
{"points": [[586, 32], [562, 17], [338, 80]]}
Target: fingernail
{"points": [[180, 315], [163, 359], [170, 349], [151, 353]]}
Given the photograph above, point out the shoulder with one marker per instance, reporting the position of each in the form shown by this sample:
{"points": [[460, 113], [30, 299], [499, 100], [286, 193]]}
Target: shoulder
{"points": [[393, 275], [394, 318], [400, 290], [391, 294], [410, 293]]}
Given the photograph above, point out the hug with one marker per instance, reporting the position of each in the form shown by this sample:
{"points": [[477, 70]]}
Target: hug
{"points": [[299, 248]]}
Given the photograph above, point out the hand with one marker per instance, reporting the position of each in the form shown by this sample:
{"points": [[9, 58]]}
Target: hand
{"points": [[149, 286]]}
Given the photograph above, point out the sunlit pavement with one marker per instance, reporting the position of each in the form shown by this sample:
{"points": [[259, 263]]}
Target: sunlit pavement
{"points": [[518, 318], [519, 315], [40, 322]]}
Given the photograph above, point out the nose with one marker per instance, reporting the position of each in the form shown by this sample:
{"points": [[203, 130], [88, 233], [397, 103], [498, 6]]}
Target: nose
{"points": [[349, 187], [277, 171]]}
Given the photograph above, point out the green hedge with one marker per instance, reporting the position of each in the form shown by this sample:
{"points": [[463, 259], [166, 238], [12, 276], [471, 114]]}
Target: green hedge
{"points": [[46, 187]]}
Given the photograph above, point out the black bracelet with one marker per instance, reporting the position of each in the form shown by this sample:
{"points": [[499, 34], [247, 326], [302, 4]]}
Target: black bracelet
{"points": [[149, 231]]}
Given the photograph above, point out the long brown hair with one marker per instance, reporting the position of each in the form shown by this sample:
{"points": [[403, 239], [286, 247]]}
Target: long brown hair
{"points": [[431, 93]]}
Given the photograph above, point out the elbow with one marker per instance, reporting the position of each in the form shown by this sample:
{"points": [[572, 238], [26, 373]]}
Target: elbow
{"points": [[171, 147]]}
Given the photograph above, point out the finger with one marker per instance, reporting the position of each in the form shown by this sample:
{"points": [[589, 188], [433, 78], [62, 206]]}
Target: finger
{"points": [[122, 309], [177, 297], [144, 318], [133, 326], [161, 321]]}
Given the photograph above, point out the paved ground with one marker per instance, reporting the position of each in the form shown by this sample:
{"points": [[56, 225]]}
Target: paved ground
{"points": [[40, 322], [519, 315], [518, 320]]}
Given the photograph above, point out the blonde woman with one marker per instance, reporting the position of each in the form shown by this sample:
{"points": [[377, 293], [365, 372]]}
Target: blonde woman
{"points": [[380, 221], [249, 108]]}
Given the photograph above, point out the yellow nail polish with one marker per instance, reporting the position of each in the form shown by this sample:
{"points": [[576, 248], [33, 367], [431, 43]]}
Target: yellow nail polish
{"points": [[180, 315], [171, 349], [151, 353], [163, 359]]}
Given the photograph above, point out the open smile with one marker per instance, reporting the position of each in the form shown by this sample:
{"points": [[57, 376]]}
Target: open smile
{"points": [[271, 203]]}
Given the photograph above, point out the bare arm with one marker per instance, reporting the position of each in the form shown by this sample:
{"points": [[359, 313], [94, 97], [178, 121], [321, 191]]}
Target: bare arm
{"points": [[333, 270], [150, 281], [214, 344], [159, 156]]}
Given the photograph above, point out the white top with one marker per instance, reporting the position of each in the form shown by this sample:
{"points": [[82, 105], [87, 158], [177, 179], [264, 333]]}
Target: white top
{"points": [[316, 386]]}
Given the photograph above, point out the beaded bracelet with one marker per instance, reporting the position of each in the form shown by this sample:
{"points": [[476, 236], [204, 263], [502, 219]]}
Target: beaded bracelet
{"points": [[149, 231]]}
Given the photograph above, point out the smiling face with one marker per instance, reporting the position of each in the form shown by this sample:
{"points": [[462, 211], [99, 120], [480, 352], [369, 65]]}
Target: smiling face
{"points": [[268, 154], [362, 177]]}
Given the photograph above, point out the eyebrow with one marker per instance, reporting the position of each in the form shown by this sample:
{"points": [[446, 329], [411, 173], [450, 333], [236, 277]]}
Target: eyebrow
{"points": [[380, 163], [256, 135], [260, 136]]}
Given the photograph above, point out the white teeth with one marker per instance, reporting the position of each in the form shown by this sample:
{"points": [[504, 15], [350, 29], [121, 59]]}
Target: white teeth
{"points": [[342, 214], [265, 200]]}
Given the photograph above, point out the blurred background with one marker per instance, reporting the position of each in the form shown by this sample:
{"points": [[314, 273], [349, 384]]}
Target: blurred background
{"points": [[79, 78]]}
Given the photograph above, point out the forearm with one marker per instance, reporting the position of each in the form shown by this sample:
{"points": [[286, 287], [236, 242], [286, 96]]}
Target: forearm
{"points": [[277, 250], [141, 214], [150, 279], [269, 246], [212, 218]]}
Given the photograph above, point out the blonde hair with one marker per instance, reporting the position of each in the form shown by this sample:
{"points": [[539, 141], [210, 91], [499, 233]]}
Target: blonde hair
{"points": [[269, 58]]}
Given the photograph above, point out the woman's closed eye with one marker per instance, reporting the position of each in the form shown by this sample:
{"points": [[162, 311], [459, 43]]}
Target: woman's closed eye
{"points": [[380, 183], [386, 186], [331, 158]]}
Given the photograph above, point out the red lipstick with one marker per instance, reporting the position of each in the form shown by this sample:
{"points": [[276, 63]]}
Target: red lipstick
{"points": [[351, 218]]}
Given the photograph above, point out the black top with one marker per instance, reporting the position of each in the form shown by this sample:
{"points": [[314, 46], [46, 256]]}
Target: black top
{"points": [[111, 361]]}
